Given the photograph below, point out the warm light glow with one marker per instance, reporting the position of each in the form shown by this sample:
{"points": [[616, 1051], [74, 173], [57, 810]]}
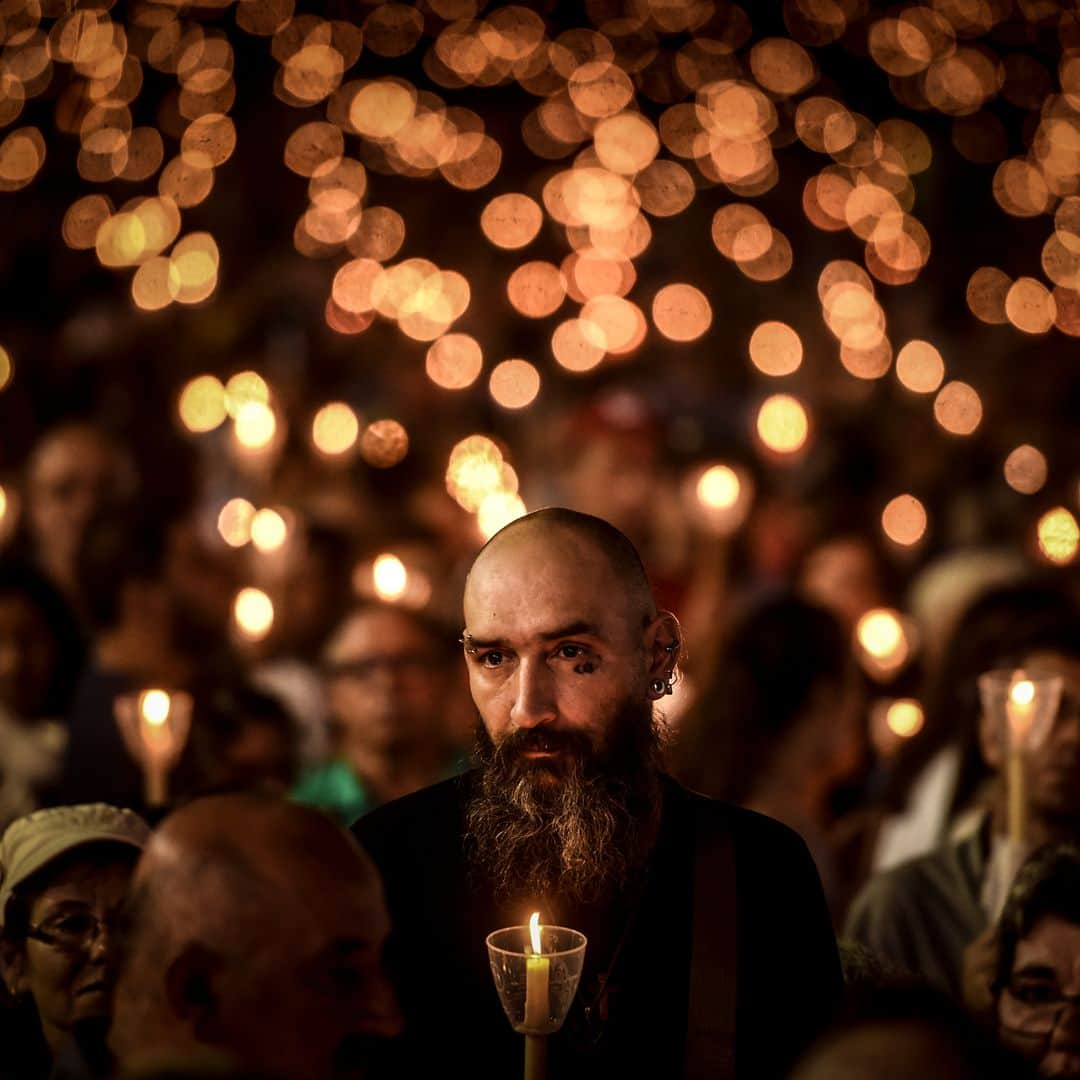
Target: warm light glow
{"points": [[1022, 692], [498, 509], [384, 444], [454, 361], [3, 504], [255, 425], [905, 717], [514, 384], [880, 632], [1026, 469], [782, 424], [534, 932], [234, 522], [389, 577], [154, 707], [904, 520], [254, 613], [202, 404], [244, 388], [269, 530], [718, 488], [919, 367], [1058, 535], [681, 312], [775, 348], [7, 368], [958, 408], [335, 429]]}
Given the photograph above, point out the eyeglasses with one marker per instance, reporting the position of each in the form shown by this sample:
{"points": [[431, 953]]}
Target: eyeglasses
{"points": [[71, 931], [1035, 1007]]}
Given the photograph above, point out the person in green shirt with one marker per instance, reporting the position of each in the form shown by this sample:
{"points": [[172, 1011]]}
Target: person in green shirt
{"points": [[396, 698]]}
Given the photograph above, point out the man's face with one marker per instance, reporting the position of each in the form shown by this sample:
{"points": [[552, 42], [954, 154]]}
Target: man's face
{"points": [[73, 476], [1038, 1012], [313, 1002], [552, 645], [386, 681], [1054, 767]]}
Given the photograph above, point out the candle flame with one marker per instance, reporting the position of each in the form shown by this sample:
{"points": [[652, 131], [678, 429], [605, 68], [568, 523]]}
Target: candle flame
{"points": [[534, 932], [154, 707], [1022, 692]]}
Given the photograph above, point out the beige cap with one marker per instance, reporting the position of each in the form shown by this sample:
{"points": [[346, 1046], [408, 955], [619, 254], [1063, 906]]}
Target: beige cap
{"points": [[31, 842]]}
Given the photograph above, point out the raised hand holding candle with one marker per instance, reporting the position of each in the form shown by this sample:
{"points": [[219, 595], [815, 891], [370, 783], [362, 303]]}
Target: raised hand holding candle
{"points": [[537, 976]]}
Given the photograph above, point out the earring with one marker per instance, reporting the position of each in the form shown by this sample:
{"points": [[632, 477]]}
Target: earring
{"points": [[659, 687]]}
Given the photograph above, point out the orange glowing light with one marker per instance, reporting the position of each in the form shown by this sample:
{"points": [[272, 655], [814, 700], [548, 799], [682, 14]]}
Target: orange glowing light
{"points": [[904, 520], [335, 429], [514, 384], [919, 367], [986, 292], [783, 424], [536, 289], [775, 348], [958, 408], [234, 522], [384, 444], [7, 368], [882, 636], [202, 404], [253, 613], [1058, 536], [1029, 306], [905, 717], [454, 361], [577, 345], [681, 312], [1026, 469]]}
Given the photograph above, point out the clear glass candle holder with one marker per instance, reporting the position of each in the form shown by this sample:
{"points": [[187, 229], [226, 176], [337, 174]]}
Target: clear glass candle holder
{"points": [[1021, 704], [536, 989]]}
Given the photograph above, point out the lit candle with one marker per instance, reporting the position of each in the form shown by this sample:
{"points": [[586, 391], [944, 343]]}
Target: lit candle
{"points": [[154, 709], [1020, 711], [537, 971]]}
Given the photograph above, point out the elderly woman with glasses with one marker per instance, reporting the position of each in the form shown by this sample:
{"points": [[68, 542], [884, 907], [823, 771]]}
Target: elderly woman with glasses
{"points": [[64, 877], [1037, 988]]}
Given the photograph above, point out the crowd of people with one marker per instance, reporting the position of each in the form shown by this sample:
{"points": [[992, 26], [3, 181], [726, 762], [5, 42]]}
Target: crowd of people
{"points": [[370, 788]]}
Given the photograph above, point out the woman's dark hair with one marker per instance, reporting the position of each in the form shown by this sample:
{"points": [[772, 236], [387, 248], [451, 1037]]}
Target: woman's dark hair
{"points": [[1047, 884], [776, 654], [18, 579]]}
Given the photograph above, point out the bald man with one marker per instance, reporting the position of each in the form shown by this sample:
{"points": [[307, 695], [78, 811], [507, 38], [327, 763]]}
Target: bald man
{"points": [[255, 942], [710, 951]]}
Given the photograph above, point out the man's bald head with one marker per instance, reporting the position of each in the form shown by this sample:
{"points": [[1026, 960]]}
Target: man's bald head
{"points": [[243, 907], [553, 526]]}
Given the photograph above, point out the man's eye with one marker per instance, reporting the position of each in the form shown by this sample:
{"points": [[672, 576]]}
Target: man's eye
{"points": [[491, 659], [569, 652], [1037, 994]]}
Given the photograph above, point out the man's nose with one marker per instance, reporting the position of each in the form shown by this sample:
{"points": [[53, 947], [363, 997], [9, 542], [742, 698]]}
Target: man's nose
{"points": [[382, 1014], [534, 700]]}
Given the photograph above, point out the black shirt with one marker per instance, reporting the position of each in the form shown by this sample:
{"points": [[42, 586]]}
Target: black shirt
{"points": [[788, 983]]}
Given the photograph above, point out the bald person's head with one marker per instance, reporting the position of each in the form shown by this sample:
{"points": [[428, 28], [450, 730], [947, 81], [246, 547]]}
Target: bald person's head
{"points": [[584, 544], [256, 935], [567, 655]]}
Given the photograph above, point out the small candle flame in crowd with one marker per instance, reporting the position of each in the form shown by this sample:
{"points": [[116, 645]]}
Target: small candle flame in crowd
{"points": [[534, 932], [154, 707]]}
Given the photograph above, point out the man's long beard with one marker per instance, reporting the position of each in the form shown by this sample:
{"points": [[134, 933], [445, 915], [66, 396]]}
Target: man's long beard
{"points": [[577, 826]]}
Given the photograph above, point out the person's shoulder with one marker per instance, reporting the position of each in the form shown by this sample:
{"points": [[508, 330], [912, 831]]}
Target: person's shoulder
{"points": [[422, 812], [747, 827]]}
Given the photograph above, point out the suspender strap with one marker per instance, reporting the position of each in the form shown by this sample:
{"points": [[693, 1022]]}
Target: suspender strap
{"points": [[710, 1036]]}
